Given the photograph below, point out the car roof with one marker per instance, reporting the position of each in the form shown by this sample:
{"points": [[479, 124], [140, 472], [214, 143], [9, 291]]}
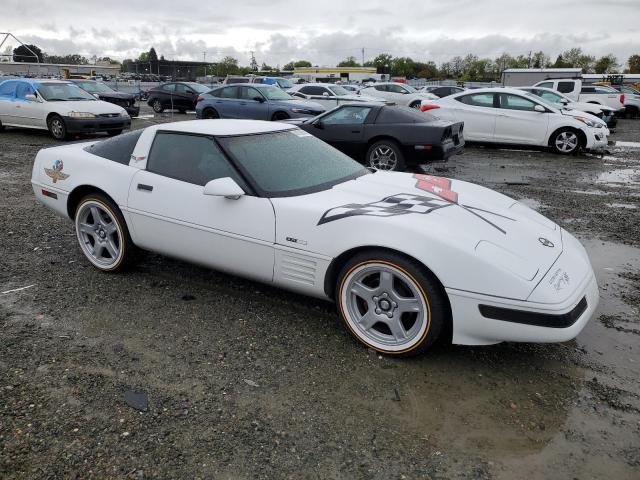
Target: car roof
{"points": [[224, 127], [516, 91], [36, 81]]}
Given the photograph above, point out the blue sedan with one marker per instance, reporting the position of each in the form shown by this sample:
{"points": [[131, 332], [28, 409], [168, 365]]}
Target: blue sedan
{"points": [[256, 102]]}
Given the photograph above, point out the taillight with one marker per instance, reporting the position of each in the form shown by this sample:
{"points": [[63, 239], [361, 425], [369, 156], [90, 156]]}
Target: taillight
{"points": [[427, 107], [200, 98], [622, 98]]}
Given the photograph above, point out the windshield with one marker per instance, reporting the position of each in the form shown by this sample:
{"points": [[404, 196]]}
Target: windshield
{"points": [[284, 83], [410, 88], [274, 93], [94, 87], [630, 90], [339, 91], [61, 92], [199, 88], [292, 162], [545, 102]]}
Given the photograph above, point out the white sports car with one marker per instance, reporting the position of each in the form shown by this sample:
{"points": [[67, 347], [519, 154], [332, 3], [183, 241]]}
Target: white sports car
{"points": [[407, 257]]}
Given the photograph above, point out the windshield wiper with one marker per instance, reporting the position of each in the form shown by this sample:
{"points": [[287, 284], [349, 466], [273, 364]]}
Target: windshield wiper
{"points": [[79, 98], [56, 99]]}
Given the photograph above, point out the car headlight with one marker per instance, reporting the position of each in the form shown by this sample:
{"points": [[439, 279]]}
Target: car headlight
{"points": [[81, 115], [302, 110], [589, 123]]}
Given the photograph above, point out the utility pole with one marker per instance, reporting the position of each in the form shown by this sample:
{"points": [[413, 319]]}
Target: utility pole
{"points": [[204, 62], [363, 56], [529, 62]]}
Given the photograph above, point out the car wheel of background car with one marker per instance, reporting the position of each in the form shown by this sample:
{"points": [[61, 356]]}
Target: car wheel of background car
{"points": [[210, 113], [565, 142], [1, 127], [114, 133], [57, 128], [385, 155], [102, 233], [157, 106], [390, 303], [415, 104], [182, 110], [279, 116]]}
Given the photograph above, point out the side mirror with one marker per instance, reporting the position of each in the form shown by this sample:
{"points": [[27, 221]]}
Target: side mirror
{"points": [[223, 187], [564, 101], [540, 109], [318, 124], [258, 99], [31, 97], [325, 94]]}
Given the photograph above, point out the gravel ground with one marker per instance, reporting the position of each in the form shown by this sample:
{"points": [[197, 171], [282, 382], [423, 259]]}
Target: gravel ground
{"points": [[174, 371]]}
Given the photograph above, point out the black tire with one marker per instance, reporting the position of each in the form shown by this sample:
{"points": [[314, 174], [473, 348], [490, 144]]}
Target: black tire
{"points": [[393, 161], [565, 141], [114, 133], [415, 104], [57, 127], [210, 113], [429, 294], [127, 250], [279, 116], [157, 106], [1, 127], [182, 110]]}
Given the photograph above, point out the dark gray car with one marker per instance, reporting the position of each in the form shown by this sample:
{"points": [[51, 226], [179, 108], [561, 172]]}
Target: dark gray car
{"points": [[255, 102]]}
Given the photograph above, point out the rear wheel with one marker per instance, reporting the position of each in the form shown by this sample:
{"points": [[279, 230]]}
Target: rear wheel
{"points": [[390, 303], [157, 106], [385, 155], [210, 113], [415, 104], [57, 127], [102, 233], [565, 142], [279, 116]]}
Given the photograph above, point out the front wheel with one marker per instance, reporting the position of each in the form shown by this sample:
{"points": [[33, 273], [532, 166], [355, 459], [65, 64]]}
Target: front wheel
{"points": [[390, 303], [157, 106], [565, 142], [57, 127], [210, 113], [279, 116], [102, 233], [385, 155]]}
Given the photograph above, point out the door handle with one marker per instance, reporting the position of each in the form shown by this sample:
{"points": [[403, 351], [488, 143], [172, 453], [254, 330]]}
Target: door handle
{"points": [[146, 188]]}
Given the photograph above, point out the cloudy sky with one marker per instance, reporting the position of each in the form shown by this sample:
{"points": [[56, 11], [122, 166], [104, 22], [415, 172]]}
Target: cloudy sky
{"points": [[324, 31]]}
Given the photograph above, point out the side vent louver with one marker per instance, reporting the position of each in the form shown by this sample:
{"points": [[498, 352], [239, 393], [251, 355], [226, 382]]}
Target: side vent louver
{"points": [[298, 269]]}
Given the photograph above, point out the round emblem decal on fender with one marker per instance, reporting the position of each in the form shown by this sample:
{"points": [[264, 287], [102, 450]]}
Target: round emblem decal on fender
{"points": [[545, 242]]}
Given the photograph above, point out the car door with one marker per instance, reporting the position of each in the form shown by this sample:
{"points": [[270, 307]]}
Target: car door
{"points": [[249, 106], [478, 112], [30, 113], [380, 91], [518, 121], [8, 102], [171, 215], [226, 101], [343, 128], [184, 96], [167, 95]]}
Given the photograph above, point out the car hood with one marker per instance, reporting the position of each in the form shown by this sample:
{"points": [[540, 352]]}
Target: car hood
{"points": [[440, 221], [299, 103], [97, 107], [117, 95], [578, 113], [589, 106]]}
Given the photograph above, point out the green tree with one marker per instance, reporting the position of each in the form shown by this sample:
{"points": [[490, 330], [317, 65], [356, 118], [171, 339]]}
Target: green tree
{"points": [[634, 64], [427, 70], [227, 66], [25, 53], [297, 64], [606, 64], [144, 57], [266, 68], [540, 60], [153, 56], [349, 62], [382, 60]]}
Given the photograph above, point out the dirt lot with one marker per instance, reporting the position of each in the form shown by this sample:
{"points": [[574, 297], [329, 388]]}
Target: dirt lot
{"points": [[245, 381]]}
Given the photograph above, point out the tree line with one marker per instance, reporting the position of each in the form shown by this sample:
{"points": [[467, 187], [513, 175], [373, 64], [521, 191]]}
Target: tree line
{"points": [[463, 68]]}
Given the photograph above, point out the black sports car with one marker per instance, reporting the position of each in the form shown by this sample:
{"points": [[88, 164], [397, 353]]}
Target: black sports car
{"points": [[181, 96], [386, 137], [108, 94]]}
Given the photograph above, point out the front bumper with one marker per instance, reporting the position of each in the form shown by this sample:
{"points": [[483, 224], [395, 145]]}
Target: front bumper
{"points": [[99, 124], [596, 139], [132, 110]]}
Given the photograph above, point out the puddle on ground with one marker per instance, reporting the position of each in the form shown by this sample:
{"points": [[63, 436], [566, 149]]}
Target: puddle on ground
{"points": [[629, 206], [622, 176], [628, 144], [531, 203]]}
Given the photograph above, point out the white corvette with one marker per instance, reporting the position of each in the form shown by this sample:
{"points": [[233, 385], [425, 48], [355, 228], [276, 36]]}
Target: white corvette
{"points": [[407, 258]]}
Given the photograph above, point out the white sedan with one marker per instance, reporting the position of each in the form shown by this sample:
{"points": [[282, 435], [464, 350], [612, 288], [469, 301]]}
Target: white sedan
{"points": [[511, 116], [400, 93], [61, 107], [408, 258], [328, 95]]}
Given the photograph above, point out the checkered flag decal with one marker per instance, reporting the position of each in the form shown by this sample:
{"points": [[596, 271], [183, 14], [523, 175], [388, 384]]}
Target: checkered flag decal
{"points": [[400, 204]]}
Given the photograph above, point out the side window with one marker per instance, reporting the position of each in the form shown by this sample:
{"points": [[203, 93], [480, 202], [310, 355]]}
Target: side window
{"points": [[118, 149], [189, 158], [23, 90], [348, 115], [477, 99], [381, 88], [181, 88], [515, 102], [546, 85], [313, 90], [548, 96], [249, 93], [8, 89], [566, 87], [228, 92], [169, 87], [588, 90], [216, 93], [396, 89]]}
